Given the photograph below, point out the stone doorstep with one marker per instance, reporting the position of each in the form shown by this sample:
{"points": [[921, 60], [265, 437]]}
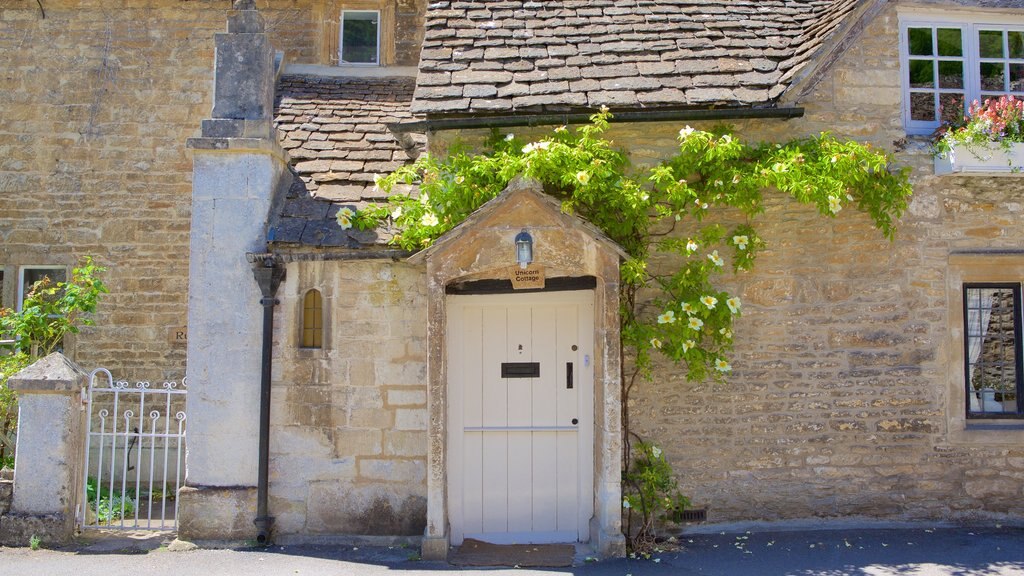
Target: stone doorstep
{"points": [[121, 541]]}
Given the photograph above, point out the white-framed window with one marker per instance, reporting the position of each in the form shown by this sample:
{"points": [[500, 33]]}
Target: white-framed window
{"points": [[29, 275], [950, 61], [359, 37]]}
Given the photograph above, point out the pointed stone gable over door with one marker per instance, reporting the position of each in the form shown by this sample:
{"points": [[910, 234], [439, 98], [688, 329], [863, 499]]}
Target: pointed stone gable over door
{"points": [[567, 247]]}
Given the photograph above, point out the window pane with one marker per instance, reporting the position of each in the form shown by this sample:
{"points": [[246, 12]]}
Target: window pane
{"points": [[1016, 40], [922, 74], [951, 74], [922, 106], [992, 76], [1017, 77], [991, 43], [920, 41], [951, 107], [991, 350], [950, 42], [312, 320], [30, 276], [359, 37]]}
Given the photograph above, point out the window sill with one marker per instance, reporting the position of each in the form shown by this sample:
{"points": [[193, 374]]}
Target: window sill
{"points": [[998, 426], [986, 433], [991, 160], [353, 71]]}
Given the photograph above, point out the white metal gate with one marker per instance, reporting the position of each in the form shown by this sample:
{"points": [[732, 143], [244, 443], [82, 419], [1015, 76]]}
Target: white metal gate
{"points": [[134, 454]]}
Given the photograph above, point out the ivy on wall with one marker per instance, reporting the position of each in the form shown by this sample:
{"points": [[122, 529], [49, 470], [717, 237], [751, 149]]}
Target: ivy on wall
{"points": [[690, 320]]}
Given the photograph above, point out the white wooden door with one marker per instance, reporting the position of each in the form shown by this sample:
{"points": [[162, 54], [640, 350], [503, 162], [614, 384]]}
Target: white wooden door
{"points": [[520, 443]]}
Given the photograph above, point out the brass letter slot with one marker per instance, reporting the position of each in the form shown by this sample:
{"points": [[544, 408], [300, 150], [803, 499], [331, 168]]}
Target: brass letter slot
{"points": [[520, 369]]}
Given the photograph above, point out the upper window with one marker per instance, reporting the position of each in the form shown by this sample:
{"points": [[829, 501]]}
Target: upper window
{"points": [[32, 274], [947, 65], [992, 350], [359, 41]]}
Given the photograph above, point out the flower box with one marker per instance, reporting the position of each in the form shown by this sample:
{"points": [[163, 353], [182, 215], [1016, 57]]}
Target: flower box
{"points": [[988, 160]]}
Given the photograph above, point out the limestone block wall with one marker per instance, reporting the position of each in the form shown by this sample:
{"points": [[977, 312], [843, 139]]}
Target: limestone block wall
{"points": [[840, 402], [349, 421], [98, 99]]}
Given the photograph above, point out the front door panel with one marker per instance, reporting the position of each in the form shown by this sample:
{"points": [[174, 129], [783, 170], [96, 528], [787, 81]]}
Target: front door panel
{"points": [[521, 417]]}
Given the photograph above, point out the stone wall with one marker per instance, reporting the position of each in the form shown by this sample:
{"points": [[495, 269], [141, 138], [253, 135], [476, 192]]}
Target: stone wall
{"points": [[839, 399], [847, 362], [6, 489], [99, 98], [348, 434]]}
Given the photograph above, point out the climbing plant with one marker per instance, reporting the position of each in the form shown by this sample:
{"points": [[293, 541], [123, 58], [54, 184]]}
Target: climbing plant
{"points": [[669, 209]]}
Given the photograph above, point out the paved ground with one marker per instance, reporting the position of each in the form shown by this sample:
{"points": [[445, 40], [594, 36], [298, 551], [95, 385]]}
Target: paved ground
{"points": [[988, 551]]}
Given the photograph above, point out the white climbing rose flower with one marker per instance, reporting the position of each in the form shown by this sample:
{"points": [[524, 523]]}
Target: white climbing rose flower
{"points": [[344, 218]]}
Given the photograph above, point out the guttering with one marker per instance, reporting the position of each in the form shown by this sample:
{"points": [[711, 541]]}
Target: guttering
{"points": [[566, 118]]}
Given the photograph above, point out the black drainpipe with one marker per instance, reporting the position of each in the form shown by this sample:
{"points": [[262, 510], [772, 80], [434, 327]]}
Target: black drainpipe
{"points": [[268, 273]]}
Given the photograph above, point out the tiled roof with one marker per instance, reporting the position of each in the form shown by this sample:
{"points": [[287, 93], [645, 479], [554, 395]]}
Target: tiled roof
{"points": [[502, 56], [334, 132]]}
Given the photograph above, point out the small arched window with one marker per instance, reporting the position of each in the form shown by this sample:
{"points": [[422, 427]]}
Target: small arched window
{"points": [[312, 320]]}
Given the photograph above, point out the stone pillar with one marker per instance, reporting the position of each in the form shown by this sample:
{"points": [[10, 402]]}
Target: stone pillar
{"points": [[48, 465], [237, 168]]}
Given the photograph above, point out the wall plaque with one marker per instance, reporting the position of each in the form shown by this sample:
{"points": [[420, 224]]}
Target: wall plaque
{"points": [[531, 277], [177, 335]]}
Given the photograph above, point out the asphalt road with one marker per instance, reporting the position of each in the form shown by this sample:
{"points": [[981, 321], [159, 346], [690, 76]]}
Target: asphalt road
{"points": [[981, 551]]}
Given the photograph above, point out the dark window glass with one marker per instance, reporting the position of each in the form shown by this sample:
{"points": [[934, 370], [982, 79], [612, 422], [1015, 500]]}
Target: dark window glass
{"points": [[992, 76], [920, 41], [951, 74], [29, 277], [992, 350], [1016, 42], [922, 106], [950, 42], [359, 37], [990, 43], [952, 107], [922, 73], [1017, 77]]}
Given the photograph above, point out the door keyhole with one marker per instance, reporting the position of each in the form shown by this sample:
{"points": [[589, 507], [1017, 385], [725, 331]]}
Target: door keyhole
{"points": [[575, 421]]}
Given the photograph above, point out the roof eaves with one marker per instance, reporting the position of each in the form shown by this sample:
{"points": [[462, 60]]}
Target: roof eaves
{"points": [[544, 118]]}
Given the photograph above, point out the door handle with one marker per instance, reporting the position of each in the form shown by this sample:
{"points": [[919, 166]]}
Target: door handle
{"points": [[568, 375]]}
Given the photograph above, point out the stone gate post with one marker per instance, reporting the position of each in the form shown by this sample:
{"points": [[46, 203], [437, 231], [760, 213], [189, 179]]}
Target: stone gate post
{"points": [[49, 460]]}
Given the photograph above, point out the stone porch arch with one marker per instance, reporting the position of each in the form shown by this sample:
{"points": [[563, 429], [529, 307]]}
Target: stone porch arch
{"points": [[481, 248]]}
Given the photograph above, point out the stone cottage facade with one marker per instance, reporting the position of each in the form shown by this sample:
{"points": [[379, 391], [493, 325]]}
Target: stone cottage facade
{"points": [[853, 391]]}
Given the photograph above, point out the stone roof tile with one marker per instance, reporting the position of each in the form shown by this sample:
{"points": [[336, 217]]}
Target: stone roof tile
{"points": [[522, 55], [335, 133]]}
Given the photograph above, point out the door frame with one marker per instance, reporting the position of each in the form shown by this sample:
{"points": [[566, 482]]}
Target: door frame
{"points": [[456, 304], [482, 248]]}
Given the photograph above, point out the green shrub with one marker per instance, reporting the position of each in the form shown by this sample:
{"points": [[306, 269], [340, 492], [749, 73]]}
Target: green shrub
{"points": [[108, 504]]}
